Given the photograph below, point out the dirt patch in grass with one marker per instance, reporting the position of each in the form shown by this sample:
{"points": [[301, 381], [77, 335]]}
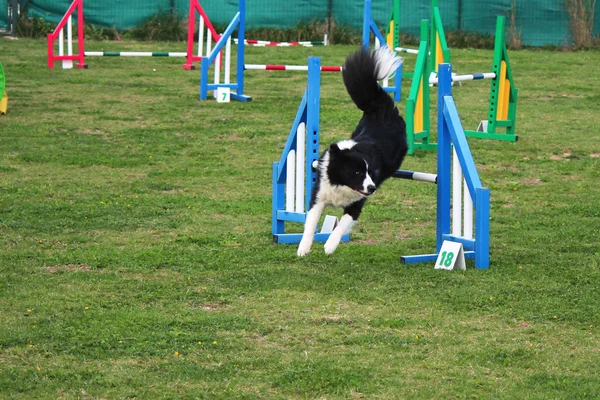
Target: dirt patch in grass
{"points": [[67, 267], [553, 96], [265, 342], [97, 132], [506, 167], [332, 319], [531, 181], [557, 157], [232, 138], [215, 306]]}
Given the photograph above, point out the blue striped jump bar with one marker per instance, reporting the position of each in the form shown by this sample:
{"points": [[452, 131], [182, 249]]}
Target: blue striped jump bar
{"points": [[416, 176], [468, 77], [406, 50]]}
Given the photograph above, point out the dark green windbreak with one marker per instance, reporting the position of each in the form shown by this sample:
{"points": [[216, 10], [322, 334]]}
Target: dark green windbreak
{"points": [[4, 25], [539, 22]]}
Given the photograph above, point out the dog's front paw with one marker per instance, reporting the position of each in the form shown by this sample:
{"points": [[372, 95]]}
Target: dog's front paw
{"points": [[331, 244], [303, 248]]}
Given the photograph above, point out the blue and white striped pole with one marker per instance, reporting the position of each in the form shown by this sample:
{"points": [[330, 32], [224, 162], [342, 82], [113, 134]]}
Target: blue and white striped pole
{"points": [[416, 176], [466, 77]]}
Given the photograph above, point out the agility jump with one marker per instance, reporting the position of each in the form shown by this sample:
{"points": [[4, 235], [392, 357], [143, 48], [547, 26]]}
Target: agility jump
{"points": [[237, 23], [66, 56], [294, 176], [369, 27], [59, 34], [451, 169], [437, 38], [502, 107], [214, 54], [433, 50], [3, 95]]}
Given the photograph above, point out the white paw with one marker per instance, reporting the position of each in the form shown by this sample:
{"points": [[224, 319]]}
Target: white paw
{"points": [[303, 248], [331, 244]]}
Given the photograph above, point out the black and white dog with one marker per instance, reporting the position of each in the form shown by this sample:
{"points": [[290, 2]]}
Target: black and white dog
{"points": [[351, 170]]}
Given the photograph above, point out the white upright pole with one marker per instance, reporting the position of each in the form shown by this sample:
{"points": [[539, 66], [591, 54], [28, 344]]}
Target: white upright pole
{"points": [[457, 180], [68, 64], [290, 183], [300, 160], [208, 42], [208, 51], [227, 71], [200, 36], [61, 44], [218, 68], [468, 214]]}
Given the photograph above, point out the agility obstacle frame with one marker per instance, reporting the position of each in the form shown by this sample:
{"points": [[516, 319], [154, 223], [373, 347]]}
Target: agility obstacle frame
{"points": [[57, 37], [417, 104], [238, 22], [295, 173], [58, 34], [452, 135], [369, 27], [437, 38], [502, 108], [3, 95], [211, 34], [440, 52]]}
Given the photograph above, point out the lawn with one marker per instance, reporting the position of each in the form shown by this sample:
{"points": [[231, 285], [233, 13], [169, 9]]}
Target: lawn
{"points": [[136, 257]]}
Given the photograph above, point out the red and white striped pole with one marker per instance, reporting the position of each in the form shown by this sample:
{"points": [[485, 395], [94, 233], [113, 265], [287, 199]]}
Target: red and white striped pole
{"points": [[262, 67]]}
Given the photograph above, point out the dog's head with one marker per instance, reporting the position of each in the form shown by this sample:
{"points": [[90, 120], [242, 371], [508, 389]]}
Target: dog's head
{"points": [[347, 167]]}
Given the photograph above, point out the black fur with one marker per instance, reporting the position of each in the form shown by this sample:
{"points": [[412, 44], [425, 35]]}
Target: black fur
{"points": [[381, 132]]}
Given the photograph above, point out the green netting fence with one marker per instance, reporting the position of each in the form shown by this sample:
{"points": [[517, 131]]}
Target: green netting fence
{"points": [[4, 22], [538, 22]]}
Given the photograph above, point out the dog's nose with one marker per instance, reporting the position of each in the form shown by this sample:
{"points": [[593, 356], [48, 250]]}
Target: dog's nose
{"points": [[371, 189]]}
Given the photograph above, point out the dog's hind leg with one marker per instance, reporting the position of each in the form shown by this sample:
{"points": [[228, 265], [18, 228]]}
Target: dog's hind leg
{"points": [[310, 226]]}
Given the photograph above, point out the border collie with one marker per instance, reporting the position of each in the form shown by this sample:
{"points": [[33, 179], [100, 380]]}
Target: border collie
{"points": [[351, 170]]}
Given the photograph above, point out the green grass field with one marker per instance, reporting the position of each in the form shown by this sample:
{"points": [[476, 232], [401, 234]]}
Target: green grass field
{"points": [[137, 258]]}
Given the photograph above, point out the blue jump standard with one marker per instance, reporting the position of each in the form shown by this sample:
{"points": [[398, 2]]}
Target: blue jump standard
{"points": [[451, 132]]}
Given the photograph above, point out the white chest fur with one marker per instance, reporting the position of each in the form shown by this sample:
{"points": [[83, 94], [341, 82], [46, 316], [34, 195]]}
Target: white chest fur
{"points": [[337, 196]]}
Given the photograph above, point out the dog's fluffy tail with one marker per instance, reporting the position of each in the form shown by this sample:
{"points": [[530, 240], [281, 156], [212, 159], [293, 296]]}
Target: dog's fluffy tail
{"points": [[361, 72]]}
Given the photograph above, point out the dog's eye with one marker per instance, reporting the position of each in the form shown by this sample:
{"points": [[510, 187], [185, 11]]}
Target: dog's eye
{"points": [[357, 173]]}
